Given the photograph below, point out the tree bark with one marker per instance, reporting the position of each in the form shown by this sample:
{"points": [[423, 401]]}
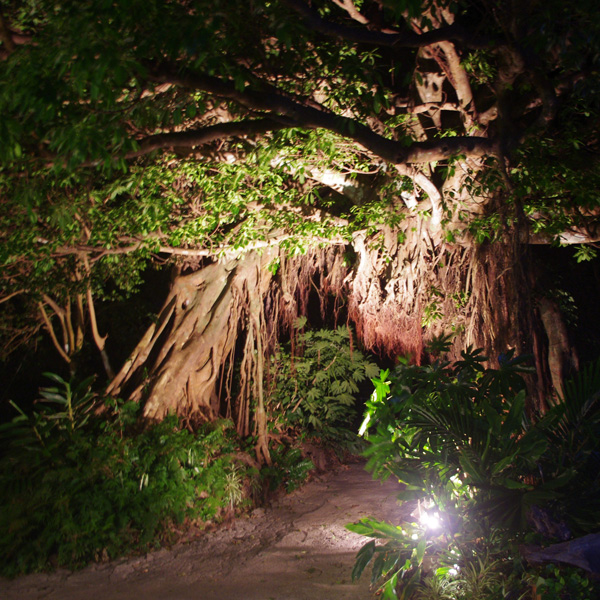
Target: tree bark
{"points": [[562, 357], [405, 288], [195, 334]]}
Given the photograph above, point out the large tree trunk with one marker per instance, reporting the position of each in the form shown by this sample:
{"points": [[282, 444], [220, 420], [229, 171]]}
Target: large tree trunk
{"points": [[228, 316], [226, 311], [176, 365]]}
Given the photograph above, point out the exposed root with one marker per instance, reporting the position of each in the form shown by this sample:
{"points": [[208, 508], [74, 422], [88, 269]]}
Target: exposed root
{"points": [[400, 296]]}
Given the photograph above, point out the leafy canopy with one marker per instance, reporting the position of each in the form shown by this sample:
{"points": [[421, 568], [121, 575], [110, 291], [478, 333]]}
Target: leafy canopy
{"points": [[139, 130]]}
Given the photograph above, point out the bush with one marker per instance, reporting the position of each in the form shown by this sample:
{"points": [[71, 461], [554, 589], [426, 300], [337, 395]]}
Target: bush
{"points": [[458, 436], [289, 469], [75, 487], [316, 389]]}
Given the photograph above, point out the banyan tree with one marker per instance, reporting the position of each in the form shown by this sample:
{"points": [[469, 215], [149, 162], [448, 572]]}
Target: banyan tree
{"points": [[389, 163]]}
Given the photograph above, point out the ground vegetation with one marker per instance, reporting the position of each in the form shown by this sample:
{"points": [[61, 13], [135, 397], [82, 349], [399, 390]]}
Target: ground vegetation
{"points": [[505, 505]]}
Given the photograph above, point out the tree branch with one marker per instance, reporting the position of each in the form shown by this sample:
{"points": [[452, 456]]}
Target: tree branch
{"points": [[96, 252], [459, 81], [430, 189], [11, 295], [351, 9], [98, 339], [427, 106], [285, 111], [61, 314], [198, 137], [52, 333], [405, 39]]}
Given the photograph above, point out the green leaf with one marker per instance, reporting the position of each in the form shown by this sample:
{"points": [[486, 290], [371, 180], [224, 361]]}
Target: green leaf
{"points": [[502, 464], [408, 495], [512, 484], [363, 527], [55, 377], [389, 590], [420, 551], [363, 558]]}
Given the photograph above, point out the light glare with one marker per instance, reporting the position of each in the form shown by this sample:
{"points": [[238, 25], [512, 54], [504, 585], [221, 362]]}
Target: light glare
{"points": [[430, 520]]}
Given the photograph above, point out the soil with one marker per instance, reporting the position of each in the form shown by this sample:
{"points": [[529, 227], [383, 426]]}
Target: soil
{"points": [[297, 549]]}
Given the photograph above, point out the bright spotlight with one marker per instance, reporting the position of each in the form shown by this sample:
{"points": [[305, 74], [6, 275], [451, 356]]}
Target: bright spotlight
{"points": [[430, 520]]}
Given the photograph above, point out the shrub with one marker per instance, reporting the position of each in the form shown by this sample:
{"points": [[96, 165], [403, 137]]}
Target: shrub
{"points": [[316, 389], [289, 469], [75, 487], [459, 438]]}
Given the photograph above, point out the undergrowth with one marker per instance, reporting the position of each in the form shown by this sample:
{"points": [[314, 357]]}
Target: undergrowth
{"points": [[82, 479], [314, 388], [289, 469], [77, 486], [496, 491]]}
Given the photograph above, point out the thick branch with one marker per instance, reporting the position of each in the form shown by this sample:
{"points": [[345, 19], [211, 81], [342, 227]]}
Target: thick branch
{"points": [[69, 326], [427, 106], [293, 113], [406, 39], [198, 137], [96, 252], [430, 189], [460, 81], [62, 317], [582, 552], [98, 340]]}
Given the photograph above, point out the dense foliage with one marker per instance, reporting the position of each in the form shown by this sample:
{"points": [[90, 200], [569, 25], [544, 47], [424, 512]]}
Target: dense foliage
{"points": [[137, 130], [76, 486], [486, 476], [315, 389]]}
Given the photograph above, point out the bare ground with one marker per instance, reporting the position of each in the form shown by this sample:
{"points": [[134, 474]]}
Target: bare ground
{"points": [[298, 549]]}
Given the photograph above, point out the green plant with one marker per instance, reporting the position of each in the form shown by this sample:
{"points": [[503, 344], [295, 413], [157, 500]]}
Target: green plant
{"points": [[432, 312], [63, 408], [399, 560], [76, 400], [563, 583], [461, 430], [458, 436], [234, 486], [75, 486], [572, 428], [315, 389], [418, 561], [438, 588], [289, 469]]}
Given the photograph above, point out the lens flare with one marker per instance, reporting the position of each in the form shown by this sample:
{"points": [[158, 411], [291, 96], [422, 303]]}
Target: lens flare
{"points": [[430, 520]]}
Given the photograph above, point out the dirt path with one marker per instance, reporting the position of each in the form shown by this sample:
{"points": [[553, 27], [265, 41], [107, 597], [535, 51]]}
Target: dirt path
{"points": [[295, 550]]}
